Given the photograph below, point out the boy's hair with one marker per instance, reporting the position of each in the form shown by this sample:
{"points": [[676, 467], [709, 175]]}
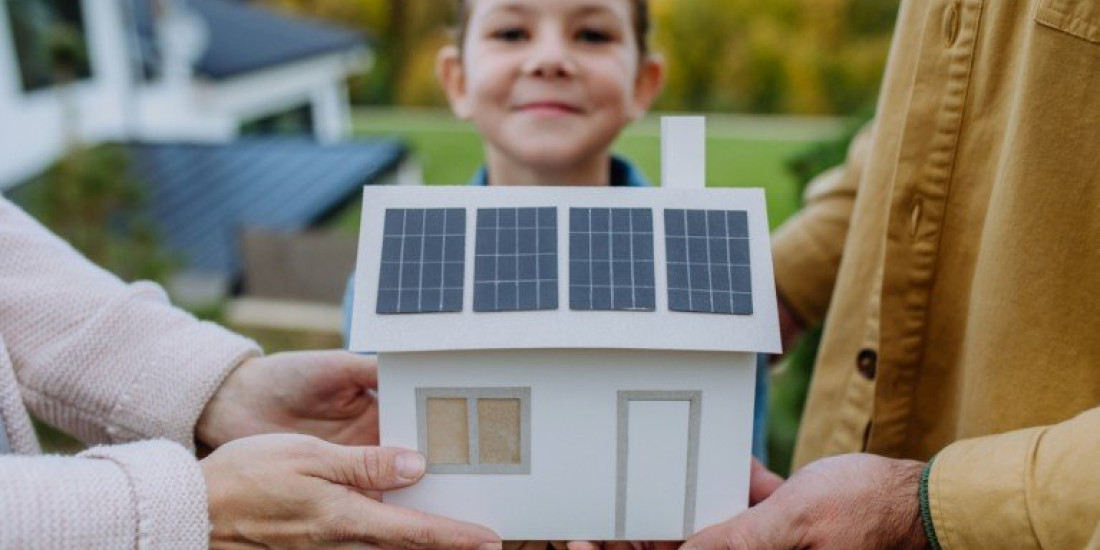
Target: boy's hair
{"points": [[641, 23]]}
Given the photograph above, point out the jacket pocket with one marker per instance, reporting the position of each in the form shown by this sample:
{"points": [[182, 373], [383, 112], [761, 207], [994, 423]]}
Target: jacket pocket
{"points": [[1080, 18]]}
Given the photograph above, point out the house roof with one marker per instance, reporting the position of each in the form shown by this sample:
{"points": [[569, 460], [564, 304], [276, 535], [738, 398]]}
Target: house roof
{"points": [[203, 196], [243, 38], [484, 268]]}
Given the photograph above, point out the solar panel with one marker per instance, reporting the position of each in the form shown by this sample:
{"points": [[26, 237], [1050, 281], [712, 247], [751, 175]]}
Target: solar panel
{"points": [[708, 261], [516, 259], [611, 259], [423, 261]]}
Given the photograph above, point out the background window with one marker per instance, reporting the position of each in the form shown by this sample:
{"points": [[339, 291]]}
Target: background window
{"points": [[297, 122], [50, 41], [471, 430]]}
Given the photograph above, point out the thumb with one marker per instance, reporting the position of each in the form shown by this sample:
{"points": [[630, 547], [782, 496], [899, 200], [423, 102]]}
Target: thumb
{"points": [[759, 528], [371, 468]]}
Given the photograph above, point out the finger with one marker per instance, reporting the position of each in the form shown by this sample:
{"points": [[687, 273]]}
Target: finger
{"points": [[663, 545], [369, 468], [764, 527], [362, 369], [762, 483], [622, 545], [582, 545], [394, 527]]}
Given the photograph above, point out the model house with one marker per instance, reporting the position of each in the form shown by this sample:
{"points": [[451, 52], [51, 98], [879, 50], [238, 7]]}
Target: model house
{"points": [[575, 363]]}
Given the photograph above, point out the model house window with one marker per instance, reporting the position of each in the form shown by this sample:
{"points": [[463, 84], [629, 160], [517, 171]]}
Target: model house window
{"points": [[50, 42], [475, 430]]}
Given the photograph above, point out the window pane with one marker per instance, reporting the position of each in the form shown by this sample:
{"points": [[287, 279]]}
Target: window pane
{"points": [[448, 431], [50, 42], [498, 430]]}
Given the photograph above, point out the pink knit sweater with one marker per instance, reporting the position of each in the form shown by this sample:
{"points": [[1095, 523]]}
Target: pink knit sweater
{"points": [[112, 364]]}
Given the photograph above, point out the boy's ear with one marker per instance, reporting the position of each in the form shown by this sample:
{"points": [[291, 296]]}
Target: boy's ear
{"points": [[452, 76], [651, 79]]}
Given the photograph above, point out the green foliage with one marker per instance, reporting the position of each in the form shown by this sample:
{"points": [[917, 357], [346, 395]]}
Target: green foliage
{"points": [[789, 385], [91, 201]]}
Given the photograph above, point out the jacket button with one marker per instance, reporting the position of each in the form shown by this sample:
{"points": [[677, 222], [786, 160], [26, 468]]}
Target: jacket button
{"points": [[951, 24], [867, 364]]}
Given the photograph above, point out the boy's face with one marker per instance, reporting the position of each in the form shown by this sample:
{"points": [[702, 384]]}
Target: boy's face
{"points": [[550, 84]]}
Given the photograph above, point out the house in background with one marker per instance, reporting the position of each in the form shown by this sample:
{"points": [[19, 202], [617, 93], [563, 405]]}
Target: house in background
{"points": [[235, 116]]}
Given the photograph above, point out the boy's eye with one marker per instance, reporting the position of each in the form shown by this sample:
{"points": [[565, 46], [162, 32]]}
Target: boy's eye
{"points": [[510, 34], [594, 36]]}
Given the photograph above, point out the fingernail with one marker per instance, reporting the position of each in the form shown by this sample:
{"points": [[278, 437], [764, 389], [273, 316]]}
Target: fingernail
{"points": [[410, 465], [491, 546]]}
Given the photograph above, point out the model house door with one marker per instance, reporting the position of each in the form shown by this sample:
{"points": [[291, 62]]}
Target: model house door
{"points": [[658, 449]]}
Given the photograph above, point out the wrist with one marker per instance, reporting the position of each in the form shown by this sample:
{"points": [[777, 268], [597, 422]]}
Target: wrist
{"points": [[211, 429], [911, 491]]}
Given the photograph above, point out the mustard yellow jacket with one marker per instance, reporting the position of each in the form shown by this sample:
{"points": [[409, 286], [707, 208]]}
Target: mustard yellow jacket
{"points": [[955, 261]]}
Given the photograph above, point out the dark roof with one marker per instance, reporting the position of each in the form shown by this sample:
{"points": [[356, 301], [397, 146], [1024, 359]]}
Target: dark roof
{"points": [[203, 196], [245, 38]]}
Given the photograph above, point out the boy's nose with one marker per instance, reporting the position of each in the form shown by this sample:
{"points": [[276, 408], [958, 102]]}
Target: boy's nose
{"points": [[550, 59]]}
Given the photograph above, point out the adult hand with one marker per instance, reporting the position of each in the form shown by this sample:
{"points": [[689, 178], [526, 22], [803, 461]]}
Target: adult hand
{"points": [[848, 502], [294, 491], [762, 483], [624, 545], [328, 394]]}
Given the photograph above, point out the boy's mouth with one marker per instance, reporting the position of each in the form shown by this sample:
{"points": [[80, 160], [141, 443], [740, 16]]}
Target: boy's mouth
{"points": [[549, 108]]}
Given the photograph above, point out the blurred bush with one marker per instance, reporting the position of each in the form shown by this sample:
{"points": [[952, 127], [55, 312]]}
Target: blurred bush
{"points": [[90, 200], [779, 56]]}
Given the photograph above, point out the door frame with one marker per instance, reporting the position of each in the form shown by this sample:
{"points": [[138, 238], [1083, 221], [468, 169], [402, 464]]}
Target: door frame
{"points": [[695, 398]]}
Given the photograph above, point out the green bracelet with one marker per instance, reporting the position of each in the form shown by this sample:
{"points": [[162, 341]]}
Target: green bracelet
{"points": [[926, 508]]}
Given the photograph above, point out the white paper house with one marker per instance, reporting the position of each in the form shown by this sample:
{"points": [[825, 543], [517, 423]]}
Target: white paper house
{"points": [[576, 363]]}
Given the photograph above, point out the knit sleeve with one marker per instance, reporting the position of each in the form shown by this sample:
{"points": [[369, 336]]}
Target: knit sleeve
{"points": [[145, 496], [106, 361]]}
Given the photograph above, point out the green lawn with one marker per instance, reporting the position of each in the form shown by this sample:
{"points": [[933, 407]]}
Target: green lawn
{"points": [[449, 151]]}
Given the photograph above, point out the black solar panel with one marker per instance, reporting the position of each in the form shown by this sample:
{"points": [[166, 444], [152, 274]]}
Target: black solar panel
{"points": [[423, 261], [516, 259], [708, 261], [611, 259]]}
